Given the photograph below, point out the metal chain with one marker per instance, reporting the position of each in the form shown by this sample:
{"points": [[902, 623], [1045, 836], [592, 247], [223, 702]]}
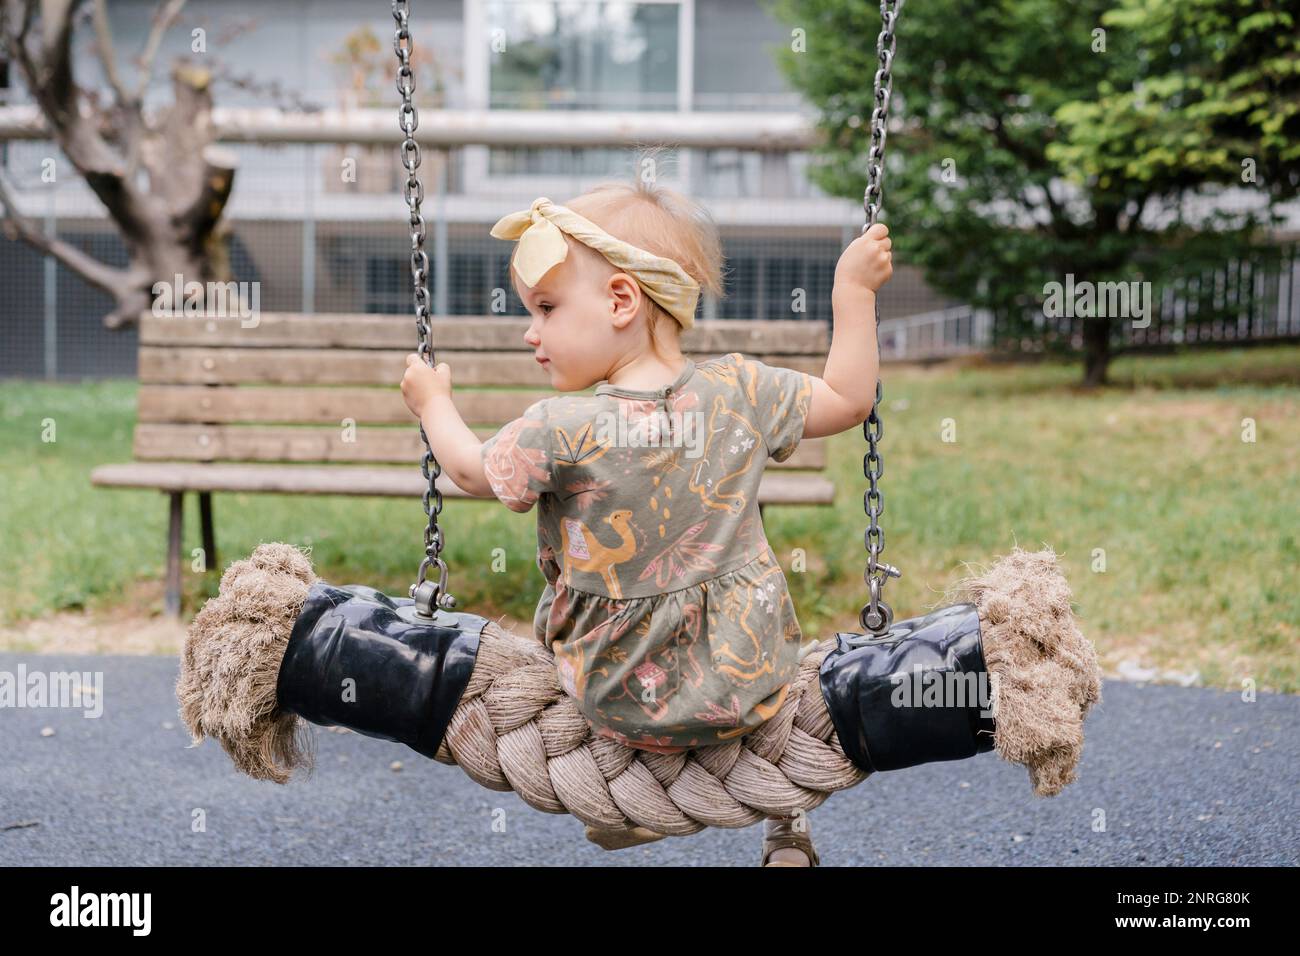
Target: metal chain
{"points": [[428, 596], [877, 616]]}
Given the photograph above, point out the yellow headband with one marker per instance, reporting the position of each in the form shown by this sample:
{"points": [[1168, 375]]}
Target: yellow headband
{"points": [[539, 230]]}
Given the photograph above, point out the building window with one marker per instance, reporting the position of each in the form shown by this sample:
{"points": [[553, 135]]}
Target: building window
{"points": [[578, 55], [582, 55], [762, 276], [388, 285]]}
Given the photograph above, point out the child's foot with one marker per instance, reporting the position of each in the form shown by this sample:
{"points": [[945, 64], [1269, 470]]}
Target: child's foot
{"points": [[788, 856], [785, 846]]}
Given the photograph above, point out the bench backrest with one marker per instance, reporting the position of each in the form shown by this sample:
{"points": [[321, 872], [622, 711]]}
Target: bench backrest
{"points": [[324, 388]]}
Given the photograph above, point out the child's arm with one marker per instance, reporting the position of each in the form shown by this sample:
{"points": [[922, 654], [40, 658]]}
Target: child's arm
{"points": [[427, 392], [843, 397]]}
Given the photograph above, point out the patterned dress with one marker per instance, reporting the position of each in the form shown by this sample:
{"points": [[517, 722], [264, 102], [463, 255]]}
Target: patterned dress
{"points": [[664, 605]]}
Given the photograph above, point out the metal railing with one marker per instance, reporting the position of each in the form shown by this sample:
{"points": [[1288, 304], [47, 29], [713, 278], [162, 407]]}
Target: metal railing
{"points": [[940, 334]]}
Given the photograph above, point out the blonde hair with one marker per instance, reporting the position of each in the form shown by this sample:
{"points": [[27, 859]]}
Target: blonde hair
{"points": [[662, 221]]}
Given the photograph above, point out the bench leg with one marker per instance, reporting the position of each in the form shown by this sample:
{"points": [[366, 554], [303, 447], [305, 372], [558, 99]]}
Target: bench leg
{"points": [[209, 537], [172, 602]]}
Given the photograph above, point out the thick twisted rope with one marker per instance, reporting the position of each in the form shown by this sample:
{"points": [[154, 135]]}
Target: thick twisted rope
{"points": [[516, 729]]}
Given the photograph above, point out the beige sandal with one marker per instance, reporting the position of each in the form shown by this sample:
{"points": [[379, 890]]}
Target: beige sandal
{"points": [[779, 832]]}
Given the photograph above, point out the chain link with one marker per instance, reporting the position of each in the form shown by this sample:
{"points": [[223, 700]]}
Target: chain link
{"points": [[877, 616], [428, 596]]}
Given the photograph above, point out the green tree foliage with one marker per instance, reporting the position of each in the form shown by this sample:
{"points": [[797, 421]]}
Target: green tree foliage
{"points": [[1217, 100], [985, 189]]}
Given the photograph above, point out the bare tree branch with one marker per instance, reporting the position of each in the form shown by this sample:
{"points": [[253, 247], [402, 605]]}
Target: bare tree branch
{"points": [[134, 300], [107, 54], [88, 267], [127, 109], [104, 167], [8, 14], [56, 58], [163, 18], [18, 49], [271, 90], [234, 29]]}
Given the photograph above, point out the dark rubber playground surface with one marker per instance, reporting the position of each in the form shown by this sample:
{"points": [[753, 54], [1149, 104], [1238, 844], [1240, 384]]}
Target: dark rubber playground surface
{"points": [[1179, 776]]}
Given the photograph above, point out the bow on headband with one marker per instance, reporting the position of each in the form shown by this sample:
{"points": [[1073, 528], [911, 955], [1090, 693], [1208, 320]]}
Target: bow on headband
{"points": [[540, 230]]}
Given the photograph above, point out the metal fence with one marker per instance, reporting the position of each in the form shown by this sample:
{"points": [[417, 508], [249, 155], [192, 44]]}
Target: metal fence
{"points": [[1247, 298], [938, 334]]}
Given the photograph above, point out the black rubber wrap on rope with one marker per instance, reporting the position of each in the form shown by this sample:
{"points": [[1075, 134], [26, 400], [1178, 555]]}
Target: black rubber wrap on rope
{"points": [[408, 673], [858, 683]]}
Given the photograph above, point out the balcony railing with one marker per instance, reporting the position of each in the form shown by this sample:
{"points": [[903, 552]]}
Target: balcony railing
{"points": [[939, 334]]}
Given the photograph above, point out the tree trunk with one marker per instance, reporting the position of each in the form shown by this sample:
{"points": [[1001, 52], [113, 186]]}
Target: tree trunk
{"points": [[1096, 351]]}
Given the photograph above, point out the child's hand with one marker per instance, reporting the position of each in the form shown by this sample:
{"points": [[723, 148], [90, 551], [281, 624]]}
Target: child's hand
{"points": [[421, 384], [868, 261]]}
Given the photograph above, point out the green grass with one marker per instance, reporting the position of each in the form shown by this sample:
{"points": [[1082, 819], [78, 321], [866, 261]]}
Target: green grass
{"points": [[1199, 529]]}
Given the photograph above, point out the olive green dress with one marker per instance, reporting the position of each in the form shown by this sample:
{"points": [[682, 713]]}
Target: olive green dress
{"points": [[664, 605]]}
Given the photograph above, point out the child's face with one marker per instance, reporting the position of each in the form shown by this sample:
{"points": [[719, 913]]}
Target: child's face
{"points": [[580, 320]]}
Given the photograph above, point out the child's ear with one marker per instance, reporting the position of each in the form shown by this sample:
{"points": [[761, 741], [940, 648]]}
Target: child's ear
{"points": [[625, 298]]}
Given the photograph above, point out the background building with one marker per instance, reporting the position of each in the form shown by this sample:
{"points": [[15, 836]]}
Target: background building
{"points": [[322, 227]]}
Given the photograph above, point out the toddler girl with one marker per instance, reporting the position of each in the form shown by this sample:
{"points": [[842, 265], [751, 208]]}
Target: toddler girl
{"points": [[664, 605]]}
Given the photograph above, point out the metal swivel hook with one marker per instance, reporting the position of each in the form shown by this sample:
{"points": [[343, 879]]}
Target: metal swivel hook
{"points": [[876, 616], [427, 595]]}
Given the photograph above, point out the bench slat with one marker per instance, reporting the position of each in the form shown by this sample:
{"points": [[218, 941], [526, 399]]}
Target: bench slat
{"points": [[271, 366], [228, 404], [209, 443], [792, 488], [457, 333], [311, 405]]}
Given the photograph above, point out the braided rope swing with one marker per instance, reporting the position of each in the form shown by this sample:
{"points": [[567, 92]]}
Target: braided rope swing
{"points": [[463, 690], [514, 728]]}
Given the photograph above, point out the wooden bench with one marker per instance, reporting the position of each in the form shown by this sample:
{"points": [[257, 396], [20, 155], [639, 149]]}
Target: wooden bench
{"points": [[310, 404]]}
